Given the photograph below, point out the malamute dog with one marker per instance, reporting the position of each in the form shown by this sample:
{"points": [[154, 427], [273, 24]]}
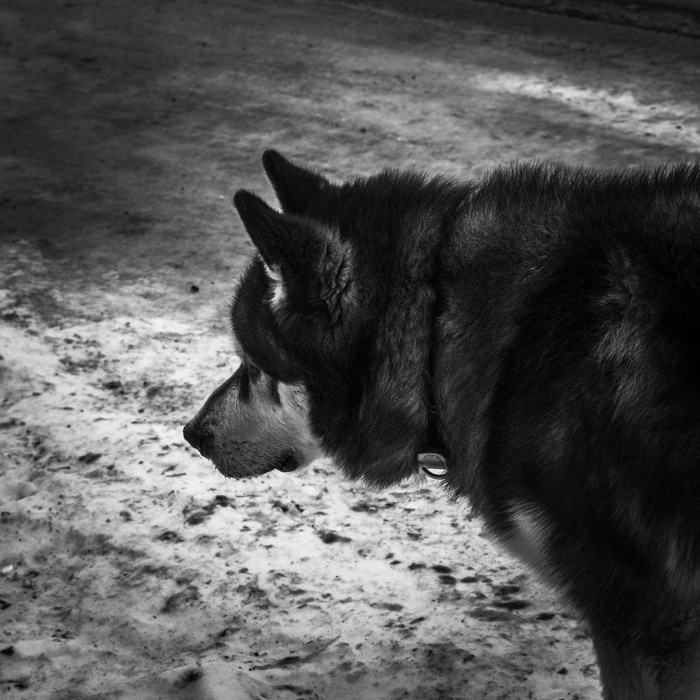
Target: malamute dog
{"points": [[537, 332]]}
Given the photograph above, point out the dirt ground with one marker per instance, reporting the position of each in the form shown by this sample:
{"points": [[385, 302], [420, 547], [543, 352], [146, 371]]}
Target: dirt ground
{"points": [[129, 568]]}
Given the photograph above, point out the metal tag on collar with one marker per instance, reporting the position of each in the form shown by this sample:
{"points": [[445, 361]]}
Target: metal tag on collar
{"points": [[433, 463]]}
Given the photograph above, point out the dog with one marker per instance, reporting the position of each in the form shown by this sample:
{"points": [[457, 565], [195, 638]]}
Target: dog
{"points": [[535, 333]]}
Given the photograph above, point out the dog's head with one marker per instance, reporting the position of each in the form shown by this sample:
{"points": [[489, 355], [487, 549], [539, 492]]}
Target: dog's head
{"points": [[331, 318], [286, 305], [254, 423]]}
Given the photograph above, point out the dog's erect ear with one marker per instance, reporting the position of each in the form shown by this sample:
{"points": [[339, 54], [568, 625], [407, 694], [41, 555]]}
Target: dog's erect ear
{"points": [[297, 251], [300, 191], [278, 237]]}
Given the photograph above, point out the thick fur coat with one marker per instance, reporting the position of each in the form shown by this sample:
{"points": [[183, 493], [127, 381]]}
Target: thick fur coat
{"points": [[544, 324]]}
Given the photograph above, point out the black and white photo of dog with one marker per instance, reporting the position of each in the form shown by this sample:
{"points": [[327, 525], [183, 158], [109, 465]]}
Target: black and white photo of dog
{"points": [[539, 330]]}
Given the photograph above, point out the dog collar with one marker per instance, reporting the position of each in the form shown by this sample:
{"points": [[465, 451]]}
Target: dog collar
{"points": [[433, 457]]}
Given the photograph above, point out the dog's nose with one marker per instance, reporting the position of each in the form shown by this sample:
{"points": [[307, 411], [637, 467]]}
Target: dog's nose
{"points": [[192, 435]]}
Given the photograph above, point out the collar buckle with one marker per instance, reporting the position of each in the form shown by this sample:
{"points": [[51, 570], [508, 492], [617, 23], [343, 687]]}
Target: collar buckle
{"points": [[433, 463]]}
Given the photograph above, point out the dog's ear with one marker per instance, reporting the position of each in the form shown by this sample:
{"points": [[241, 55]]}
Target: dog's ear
{"points": [[299, 191], [278, 237], [297, 251]]}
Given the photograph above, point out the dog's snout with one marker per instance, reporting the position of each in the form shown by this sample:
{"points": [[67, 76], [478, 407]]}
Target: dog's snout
{"points": [[191, 435], [196, 436]]}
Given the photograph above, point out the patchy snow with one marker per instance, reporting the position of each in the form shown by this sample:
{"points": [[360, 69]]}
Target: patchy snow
{"points": [[131, 566], [671, 122]]}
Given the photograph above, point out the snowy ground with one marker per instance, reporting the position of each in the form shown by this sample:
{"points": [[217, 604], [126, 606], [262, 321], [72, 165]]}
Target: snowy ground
{"points": [[129, 568]]}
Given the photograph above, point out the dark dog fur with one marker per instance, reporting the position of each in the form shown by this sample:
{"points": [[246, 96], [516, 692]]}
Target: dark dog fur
{"points": [[552, 317]]}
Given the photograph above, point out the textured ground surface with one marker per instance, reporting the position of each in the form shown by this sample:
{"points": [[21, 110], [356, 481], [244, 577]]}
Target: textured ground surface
{"points": [[128, 567]]}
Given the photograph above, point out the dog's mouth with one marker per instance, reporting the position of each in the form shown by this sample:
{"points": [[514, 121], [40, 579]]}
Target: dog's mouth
{"points": [[239, 470], [288, 463]]}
